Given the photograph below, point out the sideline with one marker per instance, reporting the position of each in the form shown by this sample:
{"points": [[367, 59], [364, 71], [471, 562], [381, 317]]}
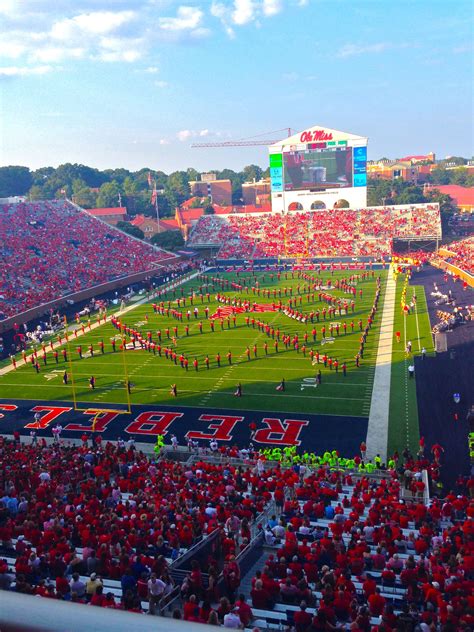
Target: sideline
{"points": [[57, 345], [377, 431]]}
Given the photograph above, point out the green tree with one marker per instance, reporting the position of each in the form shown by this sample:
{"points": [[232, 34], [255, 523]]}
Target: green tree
{"points": [[15, 181], [130, 229], [119, 175], [209, 210], [169, 240], [252, 172], [36, 193], [453, 160], [85, 198], [200, 202], [192, 174], [67, 173], [108, 195], [379, 191], [410, 195], [439, 176], [459, 176], [178, 184]]}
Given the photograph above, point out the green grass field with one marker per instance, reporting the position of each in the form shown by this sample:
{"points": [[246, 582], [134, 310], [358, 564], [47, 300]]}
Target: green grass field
{"points": [[151, 376], [403, 426]]}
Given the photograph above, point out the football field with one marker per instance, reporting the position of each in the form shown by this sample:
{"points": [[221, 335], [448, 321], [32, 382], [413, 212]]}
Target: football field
{"points": [[257, 363]]}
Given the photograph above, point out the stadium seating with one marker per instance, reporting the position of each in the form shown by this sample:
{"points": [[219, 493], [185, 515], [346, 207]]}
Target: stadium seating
{"points": [[460, 254], [361, 558], [52, 249], [72, 518], [113, 512], [322, 233]]}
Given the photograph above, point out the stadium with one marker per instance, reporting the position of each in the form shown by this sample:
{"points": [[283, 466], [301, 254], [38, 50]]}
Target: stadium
{"points": [[268, 430]]}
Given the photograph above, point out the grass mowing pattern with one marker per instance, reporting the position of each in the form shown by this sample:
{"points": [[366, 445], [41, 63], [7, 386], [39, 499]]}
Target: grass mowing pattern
{"points": [[152, 376], [403, 425]]}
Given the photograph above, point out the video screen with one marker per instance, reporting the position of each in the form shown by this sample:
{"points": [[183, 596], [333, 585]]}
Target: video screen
{"points": [[318, 169]]}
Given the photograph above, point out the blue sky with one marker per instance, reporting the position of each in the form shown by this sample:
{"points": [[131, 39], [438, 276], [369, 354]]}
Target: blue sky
{"points": [[132, 83]]}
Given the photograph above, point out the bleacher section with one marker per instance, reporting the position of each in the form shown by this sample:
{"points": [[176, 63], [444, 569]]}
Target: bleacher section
{"points": [[323, 233], [94, 525], [52, 249]]}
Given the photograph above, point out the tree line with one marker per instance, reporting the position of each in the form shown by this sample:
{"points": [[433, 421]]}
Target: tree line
{"points": [[93, 188]]}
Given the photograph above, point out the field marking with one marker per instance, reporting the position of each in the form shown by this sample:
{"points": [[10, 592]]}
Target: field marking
{"points": [[377, 430], [417, 326], [230, 369], [405, 373]]}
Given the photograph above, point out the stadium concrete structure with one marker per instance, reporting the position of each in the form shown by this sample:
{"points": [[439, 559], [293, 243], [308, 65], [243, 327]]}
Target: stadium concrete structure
{"points": [[318, 168]]}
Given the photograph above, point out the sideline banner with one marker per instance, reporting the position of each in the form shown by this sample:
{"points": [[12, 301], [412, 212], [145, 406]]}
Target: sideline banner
{"points": [[315, 433]]}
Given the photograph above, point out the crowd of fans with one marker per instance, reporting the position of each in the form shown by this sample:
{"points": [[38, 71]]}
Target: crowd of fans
{"points": [[76, 518], [324, 233], [342, 551], [51, 249], [460, 254], [350, 554]]}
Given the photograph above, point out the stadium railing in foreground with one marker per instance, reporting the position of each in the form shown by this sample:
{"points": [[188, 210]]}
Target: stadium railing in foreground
{"points": [[25, 613]]}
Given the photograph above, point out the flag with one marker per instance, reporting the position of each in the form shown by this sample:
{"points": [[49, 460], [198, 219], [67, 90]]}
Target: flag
{"points": [[154, 196], [149, 179]]}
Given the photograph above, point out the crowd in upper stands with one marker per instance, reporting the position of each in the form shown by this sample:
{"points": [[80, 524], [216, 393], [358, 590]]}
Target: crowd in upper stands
{"points": [[52, 249], [324, 233], [100, 525]]}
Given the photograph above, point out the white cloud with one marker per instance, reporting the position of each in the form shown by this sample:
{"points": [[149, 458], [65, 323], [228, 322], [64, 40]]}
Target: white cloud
{"points": [[164, 141], [152, 70], [187, 19], [186, 134], [352, 50], [97, 35], [9, 7], [272, 7], [55, 54], [23, 71], [119, 49], [12, 49], [95, 23], [160, 84], [220, 11], [244, 11]]}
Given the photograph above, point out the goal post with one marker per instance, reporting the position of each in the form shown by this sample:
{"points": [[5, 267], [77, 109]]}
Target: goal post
{"points": [[124, 379]]}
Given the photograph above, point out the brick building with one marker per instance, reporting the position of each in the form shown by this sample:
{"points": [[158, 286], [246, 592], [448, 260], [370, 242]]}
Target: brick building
{"points": [[220, 191]]}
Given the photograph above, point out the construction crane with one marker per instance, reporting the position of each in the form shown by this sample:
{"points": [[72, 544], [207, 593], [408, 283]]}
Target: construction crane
{"points": [[252, 141]]}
